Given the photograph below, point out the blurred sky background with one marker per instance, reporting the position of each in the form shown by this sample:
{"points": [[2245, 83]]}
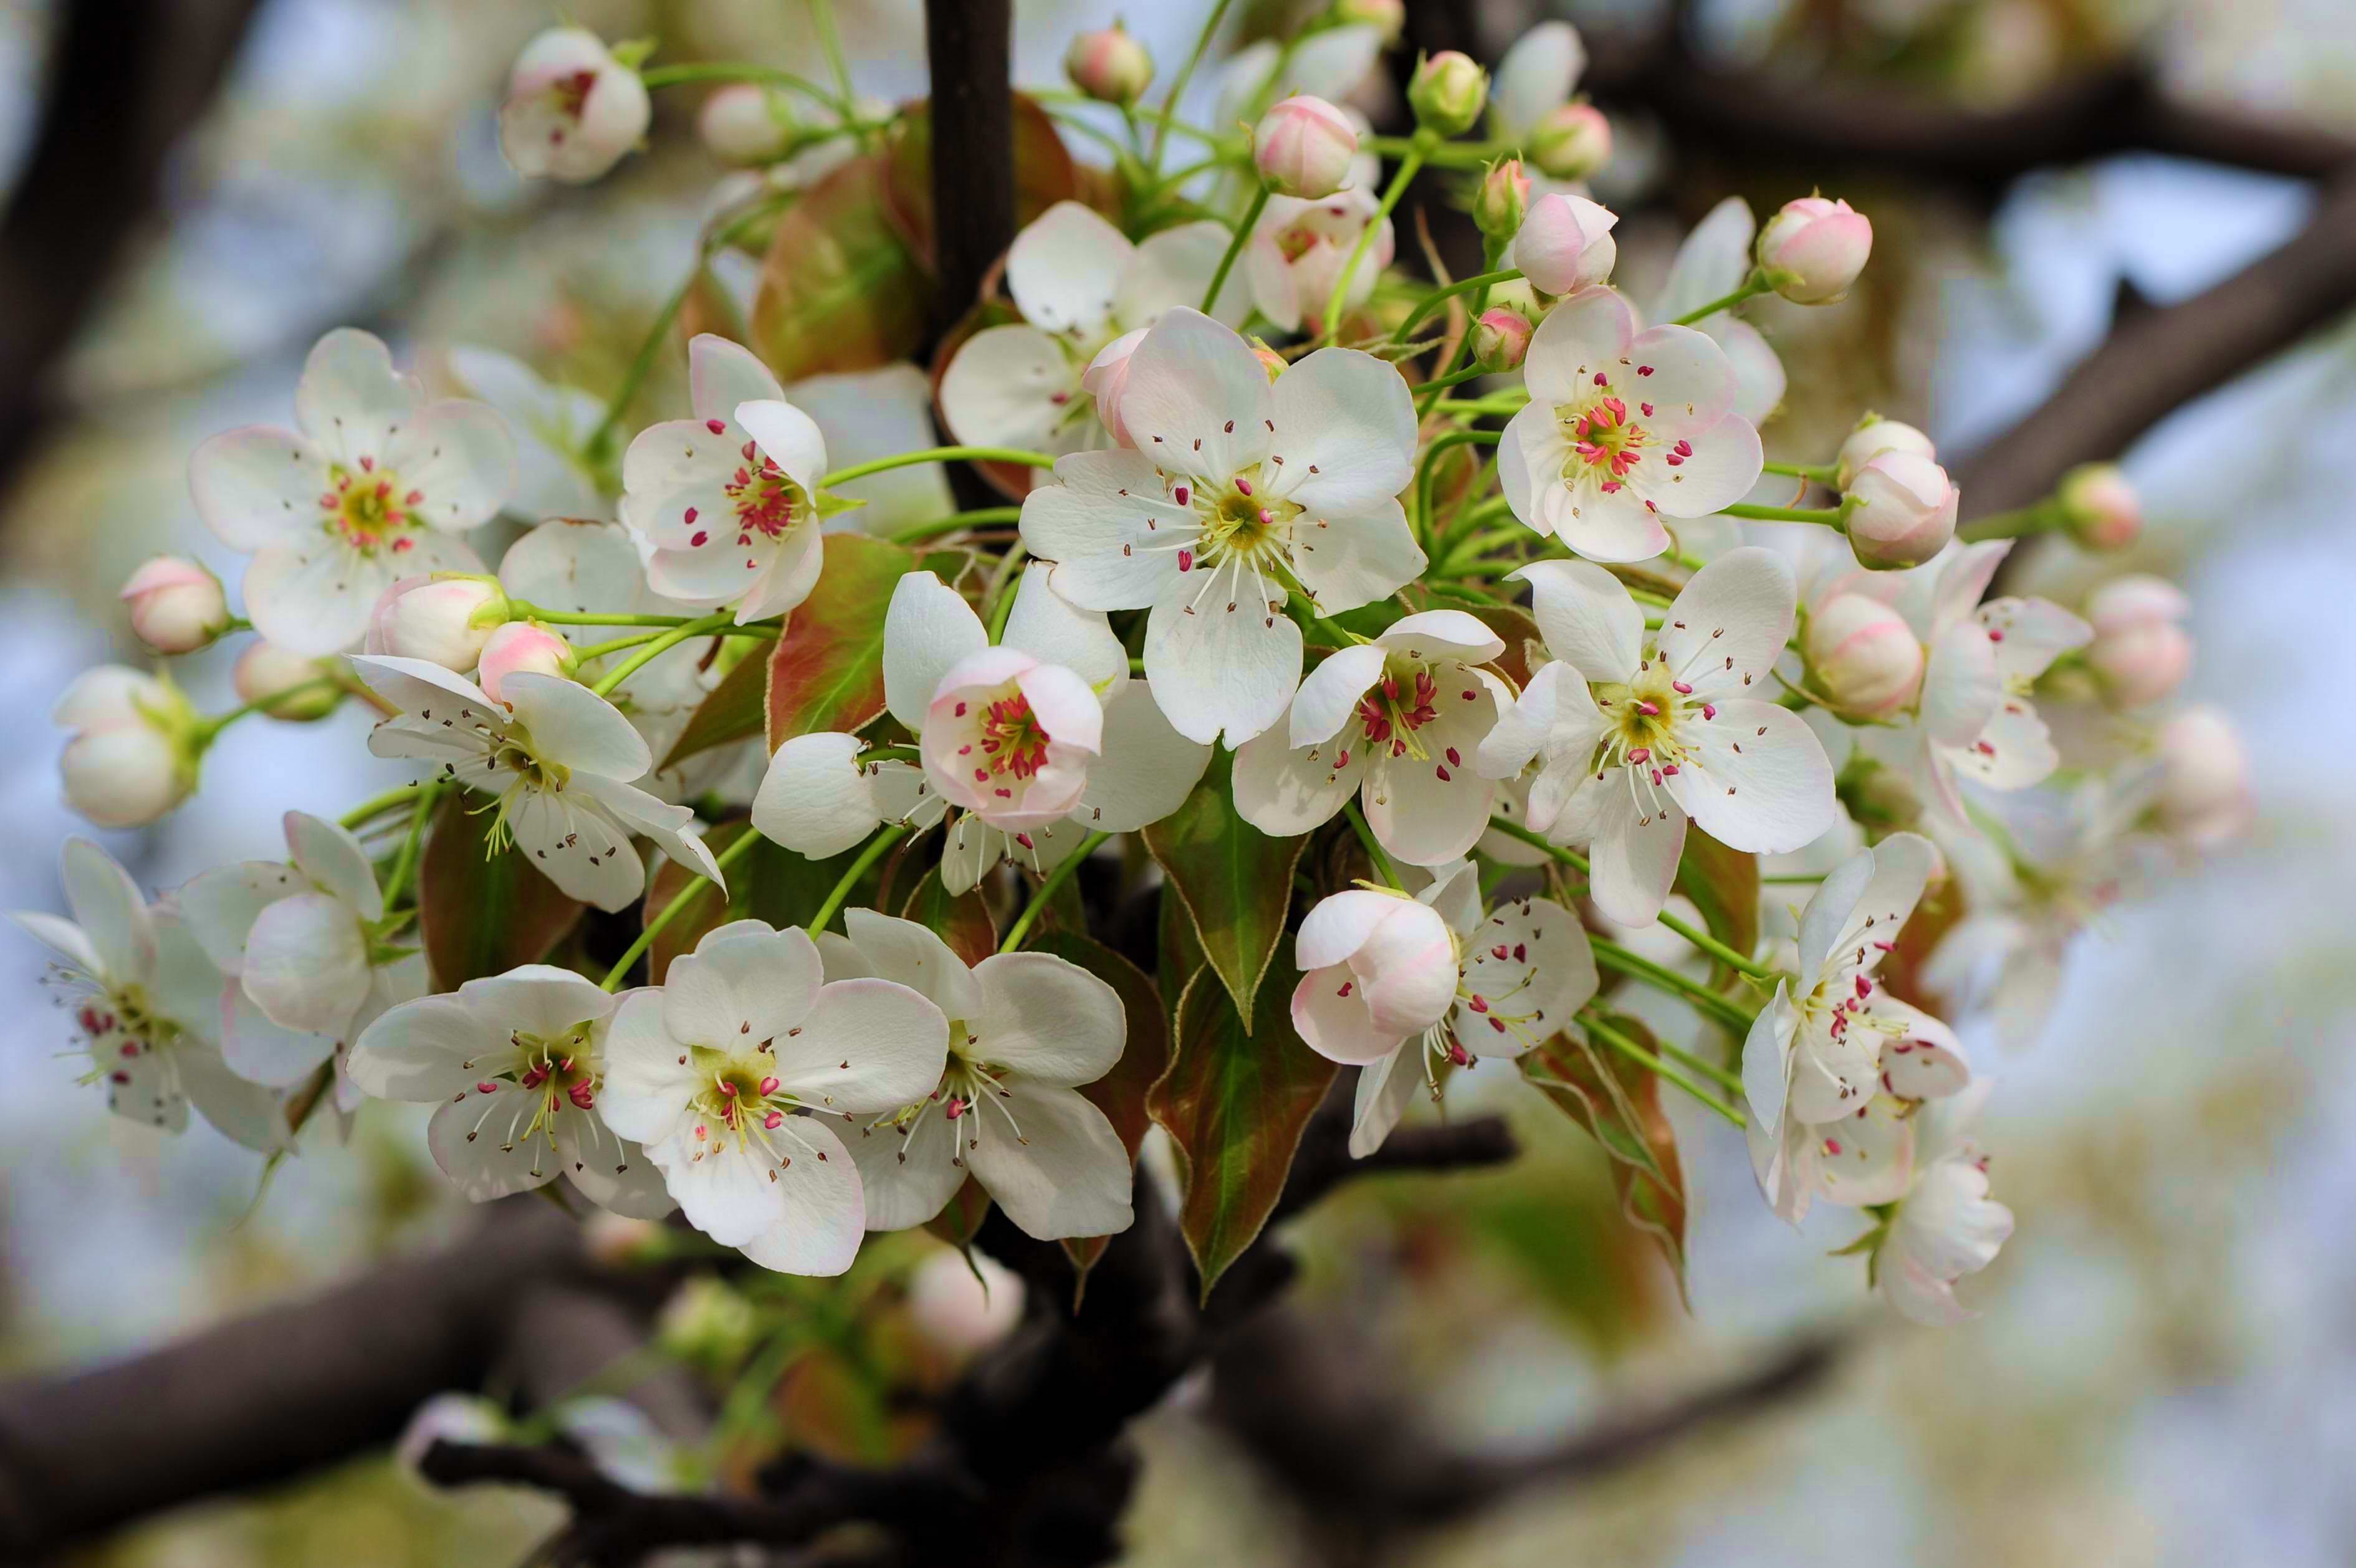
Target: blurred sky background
{"points": [[2166, 1369]]}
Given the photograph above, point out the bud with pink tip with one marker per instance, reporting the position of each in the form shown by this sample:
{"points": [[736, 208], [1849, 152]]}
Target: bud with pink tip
{"points": [[522, 648], [1106, 378], [1503, 200], [958, 1314], [1109, 65], [1873, 436], [287, 684], [1864, 654], [1571, 143], [1565, 244], [442, 620], [1375, 967], [573, 110], [744, 122], [2140, 648], [1387, 17], [136, 744], [1501, 338], [2204, 783], [1303, 148], [177, 606], [1447, 93], [2100, 507], [1902, 510], [1814, 249]]}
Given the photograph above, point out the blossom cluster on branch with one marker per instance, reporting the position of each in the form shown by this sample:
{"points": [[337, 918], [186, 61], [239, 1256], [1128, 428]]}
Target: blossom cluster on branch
{"points": [[1447, 659]]}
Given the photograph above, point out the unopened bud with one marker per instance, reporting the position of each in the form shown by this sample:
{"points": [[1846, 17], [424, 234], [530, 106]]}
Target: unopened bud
{"points": [[1109, 65], [2140, 648], [1814, 249], [1864, 653], [1501, 338], [1904, 511], [1303, 146], [1272, 362], [746, 123], [573, 110], [1106, 378], [177, 606], [710, 1325], [2101, 509], [442, 620], [1447, 93], [1873, 436], [287, 684], [1571, 143], [1503, 200], [1564, 244], [522, 648], [1387, 17], [2204, 788], [133, 755]]}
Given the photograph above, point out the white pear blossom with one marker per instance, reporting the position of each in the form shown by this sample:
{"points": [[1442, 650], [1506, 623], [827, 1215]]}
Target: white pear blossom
{"points": [[1328, 63], [728, 500], [1711, 265], [1521, 971], [1238, 492], [1636, 732], [1080, 283], [129, 760], [1623, 429], [518, 1063], [1401, 721], [558, 759], [572, 111], [146, 1004], [1946, 1226], [372, 485], [726, 1072], [304, 945], [1026, 1029], [1825, 1056], [1298, 247], [553, 423], [1049, 716]]}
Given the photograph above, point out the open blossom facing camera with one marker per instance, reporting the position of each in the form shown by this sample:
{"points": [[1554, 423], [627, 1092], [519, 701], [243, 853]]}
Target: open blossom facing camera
{"points": [[1635, 733], [1026, 1030], [372, 485], [726, 1074], [1299, 248], [1623, 429], [516, 1062], [1399, 719], [1238, 492], [1080, 284], [556, 758], [572, 111]]}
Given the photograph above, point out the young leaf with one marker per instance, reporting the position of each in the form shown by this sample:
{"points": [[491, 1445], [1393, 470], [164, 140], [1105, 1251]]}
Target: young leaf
{"points": [[731, 711], [840, 290], [1619, 1104], [1515, 627], [770, 883], [1122, 1093], [1723, 884], [1044, 172], [1235, 1102], [962, 921], [958, 1223], [481, 913], [827, 671], [1236, 881]]}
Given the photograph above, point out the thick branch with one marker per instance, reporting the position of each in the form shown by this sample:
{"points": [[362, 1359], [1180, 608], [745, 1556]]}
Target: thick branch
{"points": [[970, 43], [2159, 360]]}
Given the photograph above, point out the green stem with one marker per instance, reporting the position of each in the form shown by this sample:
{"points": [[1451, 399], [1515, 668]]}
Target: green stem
{"points": [[884, 838], [1331, 325], [1822, 473], [1614, 956], [640, 364], [208, 728], [1461, 286], [661, 645], [377, 806], [1375, 850], [679, 901], [1753, 287], [1578, 862], [1003, 585], [831, 40], [1235, 246], [2034, 519], [1637, 1053], [1164, 118], [1430, 467], [1021, 929], [1446, 156], [1831, 517], [405, 863], [979, 517], [523, 610], [1453, 378], [1499, 403], [738, 70], [640, 639], [937, 455]]}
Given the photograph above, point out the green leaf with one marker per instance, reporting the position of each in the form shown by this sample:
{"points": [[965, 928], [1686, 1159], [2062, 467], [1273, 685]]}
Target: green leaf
{"points": [[731, 711], [1619, 1104], [1122, 1093], [827, 670], [1235, 1101], [481, 913], [1515, 627], [963, 921], [1236, 881], [840, 289], [1723, 884], [770, 883]]}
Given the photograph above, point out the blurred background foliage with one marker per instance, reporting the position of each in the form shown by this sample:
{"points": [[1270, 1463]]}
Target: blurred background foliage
{"points": [[2167, 1350]]}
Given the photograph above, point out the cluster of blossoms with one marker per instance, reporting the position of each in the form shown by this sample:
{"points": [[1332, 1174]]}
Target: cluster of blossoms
{"points": [[1523, 658]]}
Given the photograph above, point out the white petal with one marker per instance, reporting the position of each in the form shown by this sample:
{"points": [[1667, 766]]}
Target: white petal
{"points": [[613, 1174], [1927, 1062], [350, 400], [1354, 561], [721, 373], [1171, 269], [1385, 1087], [459, 457], [575, 566], [1065, 1173], [247, 1114], [1216, 668], [928, 629], [885, 412], [1724, 464], [263, 1052], [1867, 1156], [1961, 687], [484, 1143], [1584, 332], [1047, 626], [575, 844], [1587, 617], [306, 964], [1330, 695], [816, 799], [1063, 267], [62, 937], [313, 596], [427, 1049], [787, 437], [1712, 262], [1767, 1061], [221, 906], [110, 910], [571, 724], [1772, 795], [1146, 771], [1345, 430], [257, 485], [1429, 811], [1532, 967], [1331, 1014], [1536, 78], [909, 1178], [1015, 385], [1632, 850], [422, 688], [820, 1215], [2014, 750], [1197, 401], [647, 1088], [743, 984], [1729, 624], [867, 1045], [328, 855], [913, 955], [1102, 524], [1285, 792], [1048, 1020]]}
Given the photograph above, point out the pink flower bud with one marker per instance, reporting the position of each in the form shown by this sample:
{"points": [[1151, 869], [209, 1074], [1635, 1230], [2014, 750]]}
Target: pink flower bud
{"points": [[2103, 510], [1303, 148], [2141, 648], [958, 1314], [1814, 249], [442, 620], [521, 647], [1106, 378], [177, 606], [1873, 436], [1447, 93], [132, 757], [744, 122], [1565, 244], [1109, 65], [1272, 362], [1904, 512], [1503, 200], [1864, 654], [1501, 338], [572, 110], [265, 672], [2204, 789], [1571, 143]]}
